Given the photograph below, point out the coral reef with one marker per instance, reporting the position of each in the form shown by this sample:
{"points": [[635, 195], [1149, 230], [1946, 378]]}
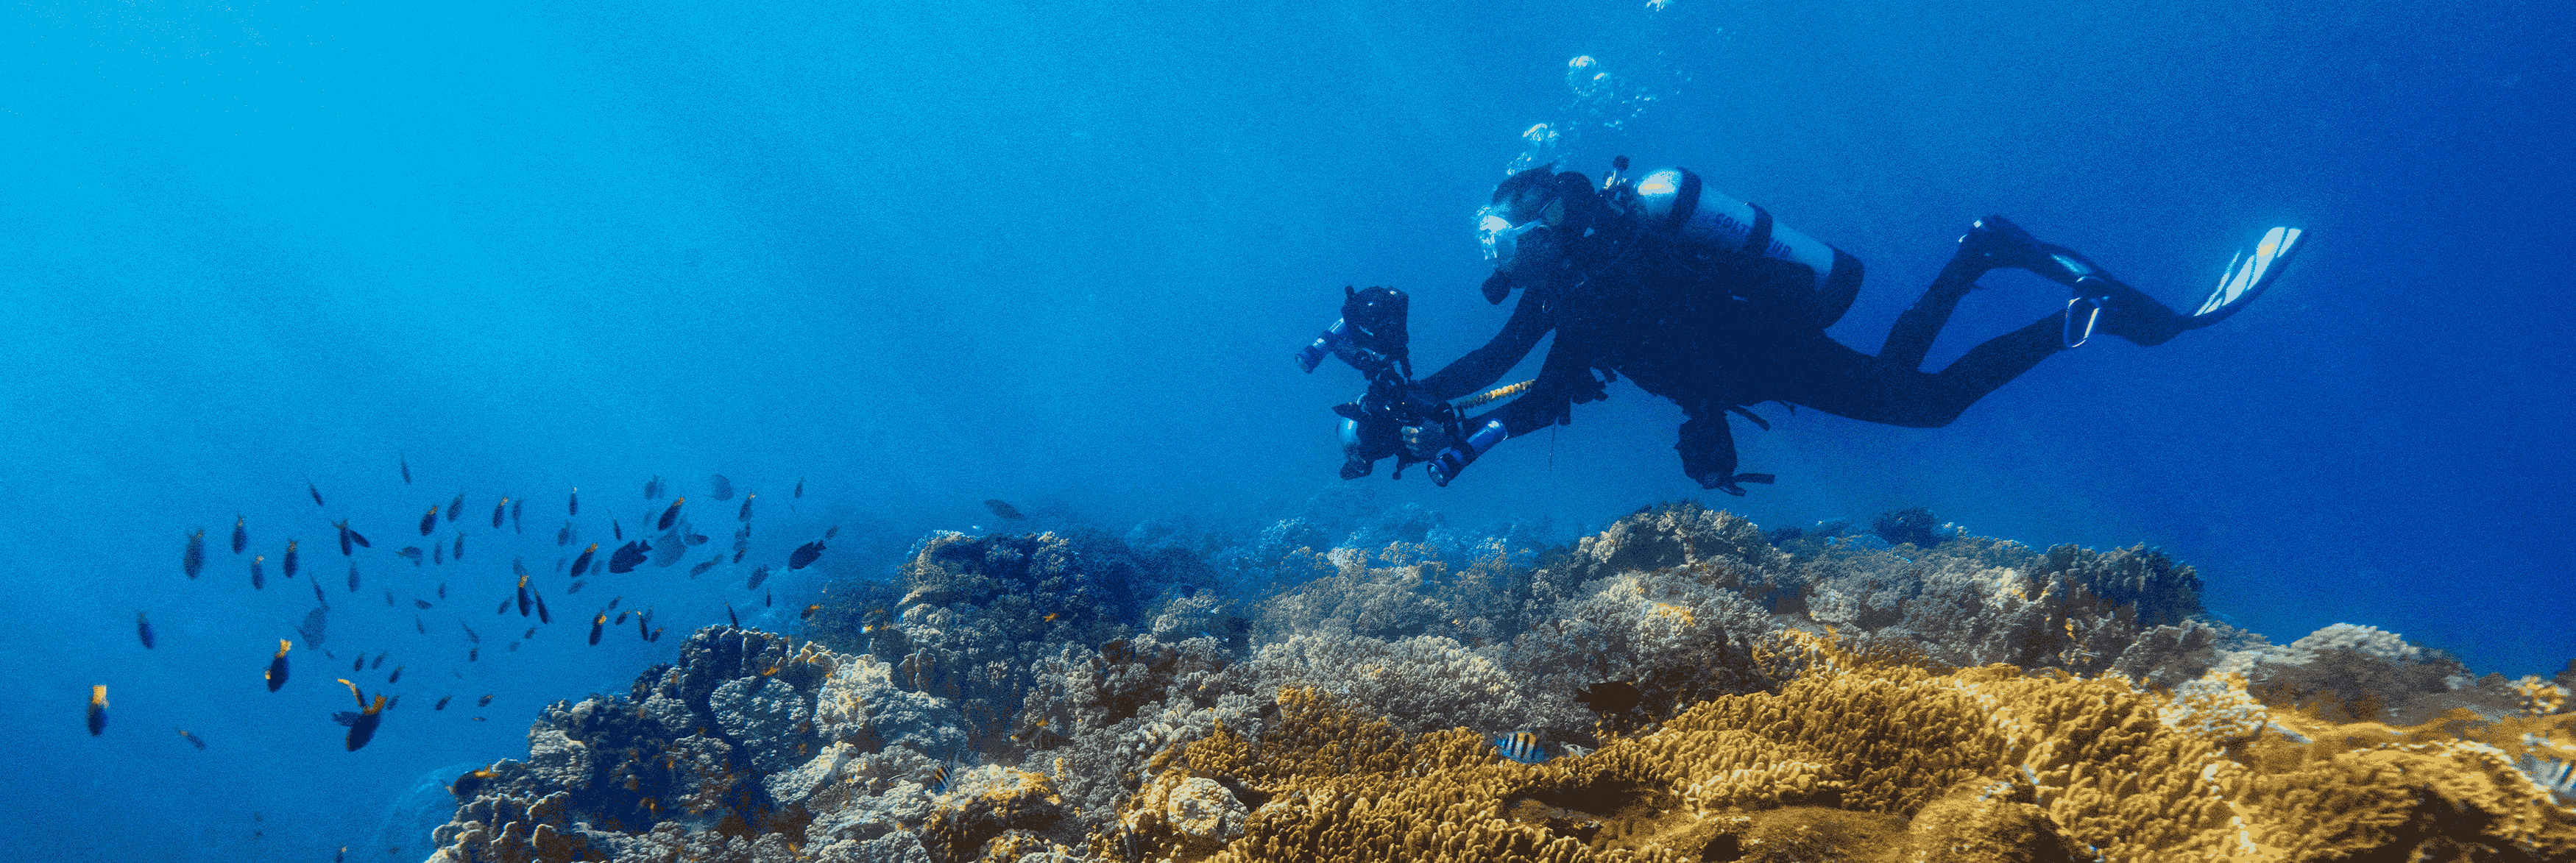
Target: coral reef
{"points": [[1328, 687]]}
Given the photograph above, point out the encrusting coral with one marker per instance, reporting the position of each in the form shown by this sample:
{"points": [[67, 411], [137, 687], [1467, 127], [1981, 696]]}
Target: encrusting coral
{"points": [[1042, 699], [1860, 756]]}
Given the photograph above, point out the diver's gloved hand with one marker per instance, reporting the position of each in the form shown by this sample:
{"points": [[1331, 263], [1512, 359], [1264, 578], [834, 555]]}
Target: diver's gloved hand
{"points": [[1424, 442]]}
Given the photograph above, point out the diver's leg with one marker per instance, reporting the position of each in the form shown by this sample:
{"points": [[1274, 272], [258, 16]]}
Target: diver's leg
{"points": [[1920, 325], [1814, 370]]}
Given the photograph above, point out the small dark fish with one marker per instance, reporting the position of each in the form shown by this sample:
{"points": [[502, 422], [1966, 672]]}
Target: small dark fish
{"points": [[143, 629], [758, 575], [672, 514], [193, 740], [523, 597], [804, 555], [442, 703], [97, 710], [572, 505], [286, 565], [193, 561], [389, 596], [627, 556], [653, 488], [808, 613], [582, 564], [612, 605], [314, 623], [574, 587], [740, 548], [418, 625], [360, 539], [615, 530], [531, 633], [406, 467], [258, 572], [485, 701], [315, 492], [515, 525], [656, 636], [832, 531], [621, 619], [697, 539], [564, 535], [438, 553], [505, 606], [442, 590], [469, 633], [317, 592], [423, 604], [429, 520], [395, 677], [498, 509], [701, 569], [596, 625], [473, 653], [362, 726], [459, 552], [800, 488], [640, 631], [469, 783], [410, 553], [719, 487], [745, 515], [343, 525], [241, 534], [379, 663], [457, 508], [277, 666], [542, 616], [359, 664], [766, 600], [730, 617], [1002, 509]]}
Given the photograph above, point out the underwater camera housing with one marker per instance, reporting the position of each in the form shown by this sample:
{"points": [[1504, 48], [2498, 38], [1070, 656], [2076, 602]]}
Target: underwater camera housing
{"points": [[1371, 337]]}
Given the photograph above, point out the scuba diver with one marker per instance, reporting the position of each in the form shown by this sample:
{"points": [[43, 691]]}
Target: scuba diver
{"points": [[1707, 301]]}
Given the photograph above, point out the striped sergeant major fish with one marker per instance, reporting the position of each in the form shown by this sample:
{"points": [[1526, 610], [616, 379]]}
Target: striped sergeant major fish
{"points": [[1521, 746]]}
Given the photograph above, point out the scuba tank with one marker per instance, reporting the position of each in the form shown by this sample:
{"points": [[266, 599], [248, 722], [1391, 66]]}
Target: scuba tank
{"points": [[1673, 205]]}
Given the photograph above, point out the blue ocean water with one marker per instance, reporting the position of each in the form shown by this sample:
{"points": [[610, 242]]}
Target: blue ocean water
{"points": [[916, 256]]}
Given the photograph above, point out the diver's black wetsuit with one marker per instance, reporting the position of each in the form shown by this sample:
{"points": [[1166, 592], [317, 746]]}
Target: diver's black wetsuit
{"points": [[1709, 332]]}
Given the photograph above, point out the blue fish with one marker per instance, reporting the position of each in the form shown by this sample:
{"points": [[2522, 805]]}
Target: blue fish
{"points": [[1521, 746]]}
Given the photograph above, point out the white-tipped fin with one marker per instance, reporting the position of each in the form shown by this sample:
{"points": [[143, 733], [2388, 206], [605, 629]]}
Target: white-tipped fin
{"points": [[2249, 273]]}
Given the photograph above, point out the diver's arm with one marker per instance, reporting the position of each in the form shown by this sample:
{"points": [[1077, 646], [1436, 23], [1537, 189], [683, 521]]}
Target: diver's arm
{"points": [[1481, 367]]}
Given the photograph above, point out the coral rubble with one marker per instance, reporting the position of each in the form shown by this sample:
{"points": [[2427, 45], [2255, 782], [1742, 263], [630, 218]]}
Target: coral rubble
{"points": [[1694, 690]]}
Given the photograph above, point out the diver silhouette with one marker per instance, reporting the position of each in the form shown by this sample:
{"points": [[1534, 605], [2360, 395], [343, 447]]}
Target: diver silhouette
{"points": [[1705, 300]]}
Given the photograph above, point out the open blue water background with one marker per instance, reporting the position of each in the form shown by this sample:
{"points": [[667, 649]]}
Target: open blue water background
{"points": [[920, 255]]}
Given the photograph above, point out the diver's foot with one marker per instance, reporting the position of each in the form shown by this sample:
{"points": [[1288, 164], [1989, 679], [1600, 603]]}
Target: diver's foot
{"points": [[2131, 314], [1727, 482], [1994, 242]]}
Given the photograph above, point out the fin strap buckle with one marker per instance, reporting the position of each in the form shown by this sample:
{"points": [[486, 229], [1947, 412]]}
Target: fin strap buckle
{"points": [[2075, 336]]}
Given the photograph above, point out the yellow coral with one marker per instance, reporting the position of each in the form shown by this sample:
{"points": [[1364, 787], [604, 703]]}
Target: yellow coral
{"points": [[2540, 697], [1875, 756]]}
